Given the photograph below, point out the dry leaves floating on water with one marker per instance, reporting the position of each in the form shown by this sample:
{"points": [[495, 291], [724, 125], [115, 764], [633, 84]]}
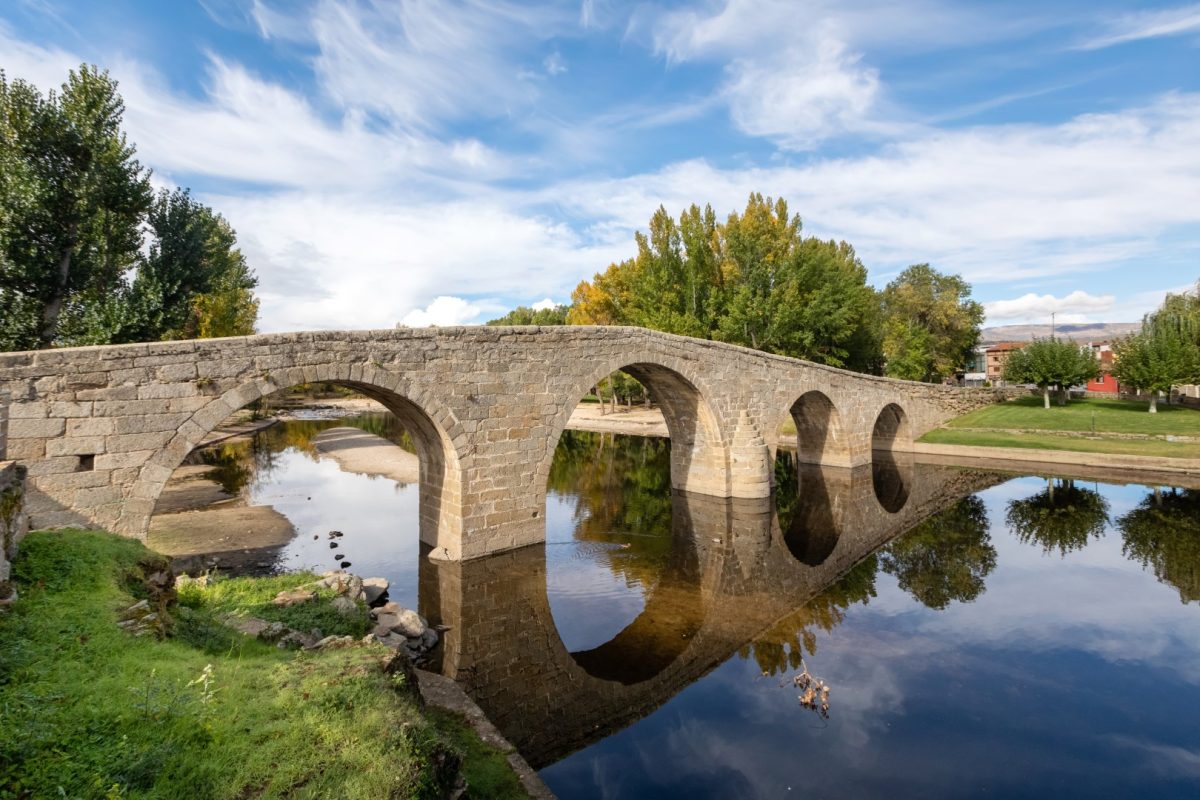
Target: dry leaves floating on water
{"points": [[814, 692]]}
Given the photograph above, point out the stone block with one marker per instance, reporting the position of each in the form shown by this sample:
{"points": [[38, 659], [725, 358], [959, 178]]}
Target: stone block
{"points": [[167, 391], [22, 428], [137, 441], [75, 446], [113, 461], [91, 426]]}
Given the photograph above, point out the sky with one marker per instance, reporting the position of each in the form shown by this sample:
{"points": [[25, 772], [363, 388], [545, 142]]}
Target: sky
{"points": [[439, 163]]}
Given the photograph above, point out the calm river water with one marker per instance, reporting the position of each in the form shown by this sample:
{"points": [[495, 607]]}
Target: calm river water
{"points": [[979, 634]]}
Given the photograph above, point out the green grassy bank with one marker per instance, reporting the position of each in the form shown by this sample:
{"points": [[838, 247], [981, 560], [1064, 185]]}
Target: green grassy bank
{"points": [[89, 710], [1082, 426]]}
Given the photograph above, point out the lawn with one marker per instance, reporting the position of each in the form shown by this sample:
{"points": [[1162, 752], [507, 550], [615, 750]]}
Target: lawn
{"points": [[1025, 423], [89, 710], [1110, 416], [1050, 441]]}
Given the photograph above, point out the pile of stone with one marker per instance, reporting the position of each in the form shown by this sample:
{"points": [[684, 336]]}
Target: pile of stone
{"points": [[402, 629], [399, 628], [140, 619]]}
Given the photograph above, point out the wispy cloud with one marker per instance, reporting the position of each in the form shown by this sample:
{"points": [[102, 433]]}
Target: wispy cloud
{"points": [[1134, 27]]}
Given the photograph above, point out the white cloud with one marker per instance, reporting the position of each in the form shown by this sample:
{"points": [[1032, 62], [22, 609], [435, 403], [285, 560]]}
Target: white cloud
{"points": [[997, 203], [443, 311], [554, 63], [1078, 305], [544, 305], [1147, 25]]}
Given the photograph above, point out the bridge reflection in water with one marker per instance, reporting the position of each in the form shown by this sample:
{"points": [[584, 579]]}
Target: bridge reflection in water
{"points": [[735, 568]]}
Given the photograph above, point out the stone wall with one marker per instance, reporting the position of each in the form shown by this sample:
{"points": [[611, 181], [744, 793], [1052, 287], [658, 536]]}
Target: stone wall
{"points": [[14, 522], [102, 428]]}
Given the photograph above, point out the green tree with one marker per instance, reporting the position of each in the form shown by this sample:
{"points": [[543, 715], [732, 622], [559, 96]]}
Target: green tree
{"points": [[524, 315], [1051, 362], [1163, 533], [753, 280], [73, 195], [1159, 357], [945, 558], [194, 280], [1062, 517], [930, 324]]}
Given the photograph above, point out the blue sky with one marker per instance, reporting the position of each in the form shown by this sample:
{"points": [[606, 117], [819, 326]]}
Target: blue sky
{"points": [[441, 162]]}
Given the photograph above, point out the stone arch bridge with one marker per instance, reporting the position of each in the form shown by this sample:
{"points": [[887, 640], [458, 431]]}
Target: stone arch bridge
{"points": [[101, 429]]}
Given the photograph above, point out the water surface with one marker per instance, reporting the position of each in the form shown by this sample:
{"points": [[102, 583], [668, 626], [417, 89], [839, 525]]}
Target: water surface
{"points": [[980, 634]]}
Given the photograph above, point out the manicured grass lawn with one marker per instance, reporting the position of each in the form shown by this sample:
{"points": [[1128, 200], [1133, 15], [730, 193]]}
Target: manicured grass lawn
{"points": [[1049, 441], [89, 710], [1111, 416]]}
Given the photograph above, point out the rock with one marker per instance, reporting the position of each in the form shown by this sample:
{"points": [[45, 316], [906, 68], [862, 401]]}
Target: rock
{"points": [[295, 640], [409, 623], [429, 639], [399, 667], [374, 589], [274, 632], [335, 534], [337, 556], [344, 606], [390, 639], [187, 580], [332, 545], [251, 626], [138, 607], [390, 607], [381, 630], [344, 564], [294, 597], [333, 642]]}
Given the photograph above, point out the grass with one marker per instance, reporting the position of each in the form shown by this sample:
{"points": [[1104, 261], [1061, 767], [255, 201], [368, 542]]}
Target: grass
{"points": [[88, 710], [1050, 441], [1111, 416]]}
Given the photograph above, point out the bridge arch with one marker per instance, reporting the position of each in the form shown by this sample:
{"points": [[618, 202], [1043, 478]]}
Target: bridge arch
{"points": [[441, 465], [891, 430], [698, 447], [819, 438]]}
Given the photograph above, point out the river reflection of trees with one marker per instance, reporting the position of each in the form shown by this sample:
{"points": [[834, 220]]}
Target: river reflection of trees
{"points": [[946, 558], [1163, 533], [245, 462], [1063, 517]]}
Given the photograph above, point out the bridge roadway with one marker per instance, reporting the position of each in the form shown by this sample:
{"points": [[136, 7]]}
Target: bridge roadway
{"points": [[101, 429], [732, 573]]}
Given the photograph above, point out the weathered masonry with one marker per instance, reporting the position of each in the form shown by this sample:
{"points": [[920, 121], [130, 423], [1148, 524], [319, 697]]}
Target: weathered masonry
{"points": [[100, 429]]}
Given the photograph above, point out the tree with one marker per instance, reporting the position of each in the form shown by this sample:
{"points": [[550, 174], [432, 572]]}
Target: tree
{"points": [[1159, 357], [73, 200], [753, 280], [524, 315], [1062, 517], [1163, 533], [946, 557], [930, 324], [193, 280], [1051, 362]]}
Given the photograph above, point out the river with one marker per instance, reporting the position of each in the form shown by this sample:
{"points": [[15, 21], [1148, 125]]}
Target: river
{"points": [[977, 633]]}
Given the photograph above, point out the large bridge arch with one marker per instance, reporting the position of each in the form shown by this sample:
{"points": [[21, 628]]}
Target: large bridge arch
{"points": [[441, 467], [699, 461]]}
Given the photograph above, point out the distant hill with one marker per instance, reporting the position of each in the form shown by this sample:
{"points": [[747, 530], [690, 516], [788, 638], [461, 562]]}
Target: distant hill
{"points": [[1084, 332]]}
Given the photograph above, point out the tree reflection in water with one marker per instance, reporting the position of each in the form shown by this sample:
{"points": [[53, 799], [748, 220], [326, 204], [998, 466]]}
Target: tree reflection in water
{"points": [[945, 558], [1062, 517], [1163, 533]]}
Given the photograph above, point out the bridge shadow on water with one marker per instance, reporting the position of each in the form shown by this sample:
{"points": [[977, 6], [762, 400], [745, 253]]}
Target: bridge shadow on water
{"points": [[732, 569]]}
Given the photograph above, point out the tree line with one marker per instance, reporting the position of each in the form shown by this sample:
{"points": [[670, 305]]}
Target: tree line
{"points": [[89, 252], [756, 280]]}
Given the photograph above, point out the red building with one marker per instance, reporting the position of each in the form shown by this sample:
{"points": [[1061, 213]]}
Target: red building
{"points": [[1106, 383]]}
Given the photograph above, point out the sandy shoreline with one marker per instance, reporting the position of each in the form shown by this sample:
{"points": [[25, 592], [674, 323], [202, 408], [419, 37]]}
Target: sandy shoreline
{"points": [[365, 453]]}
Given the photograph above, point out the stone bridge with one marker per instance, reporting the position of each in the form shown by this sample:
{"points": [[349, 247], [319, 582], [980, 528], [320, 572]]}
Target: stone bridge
{"points": [[101, 429], [732, 574]]}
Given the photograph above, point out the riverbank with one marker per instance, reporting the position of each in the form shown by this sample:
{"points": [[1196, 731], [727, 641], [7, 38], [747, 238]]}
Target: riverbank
{"points": [[107, 696]]}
